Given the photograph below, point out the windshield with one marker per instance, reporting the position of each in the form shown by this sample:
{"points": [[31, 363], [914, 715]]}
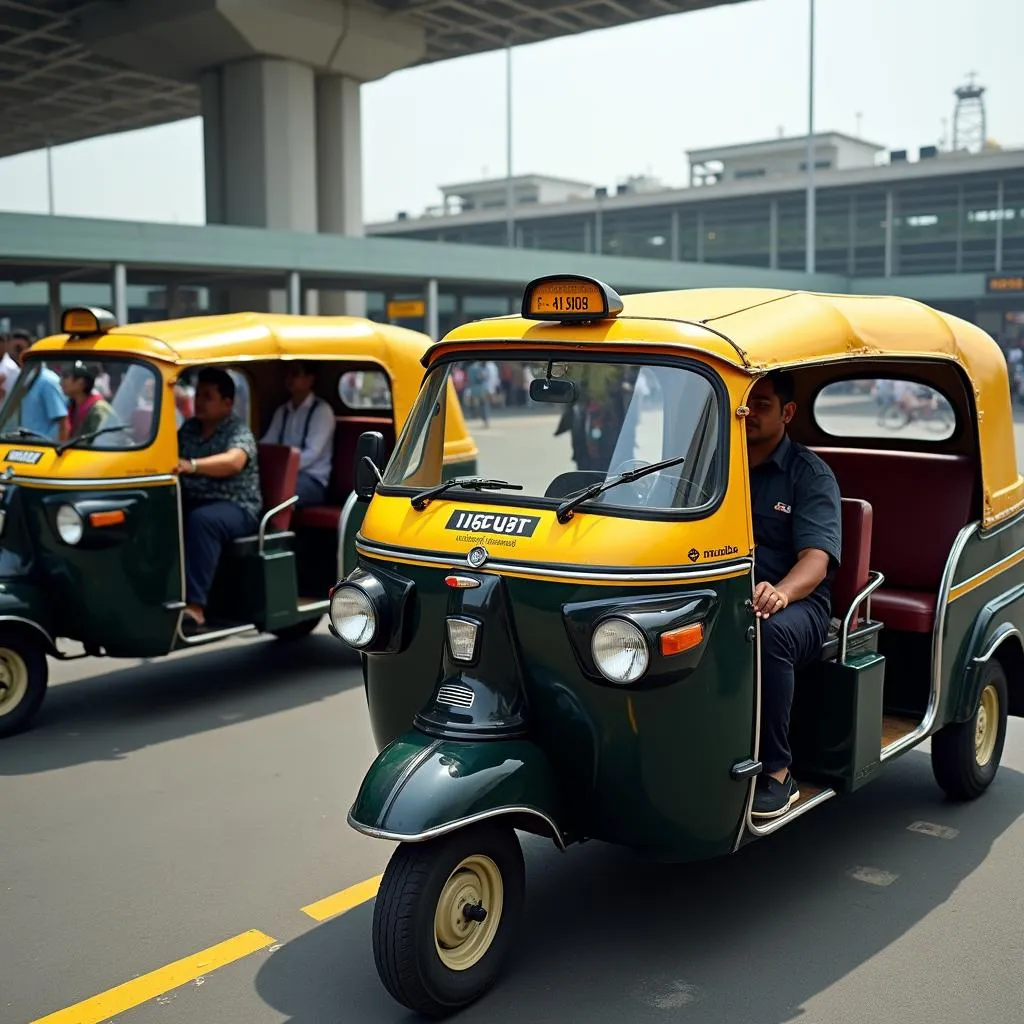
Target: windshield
{"points": [[64, 399], [618, 416]]}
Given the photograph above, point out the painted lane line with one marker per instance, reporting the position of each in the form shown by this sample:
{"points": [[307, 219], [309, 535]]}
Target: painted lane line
{"points": [[873, 876], [157, 983], [929, 828], [339, 902]]}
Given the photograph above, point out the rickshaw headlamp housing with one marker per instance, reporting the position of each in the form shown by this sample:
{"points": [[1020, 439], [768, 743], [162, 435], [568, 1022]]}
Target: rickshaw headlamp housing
{"points": [[353, 616], [69, 524], [620, 650]]}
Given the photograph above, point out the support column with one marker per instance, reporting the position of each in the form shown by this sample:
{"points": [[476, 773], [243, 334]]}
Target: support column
{"points": [[260, 151], [294, 293], [432, 309], [890, 213], [53, 294], [773, 234], [339, 168], [120, 293]]}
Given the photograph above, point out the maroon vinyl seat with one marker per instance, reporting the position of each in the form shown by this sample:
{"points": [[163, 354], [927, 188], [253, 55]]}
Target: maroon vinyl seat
{"points": [[279, 475], [919, 502], [852, 575], [346, 437]]}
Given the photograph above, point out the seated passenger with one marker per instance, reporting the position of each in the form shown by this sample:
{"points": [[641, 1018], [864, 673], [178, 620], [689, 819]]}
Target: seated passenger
{"points": [[306, 423], [88, 411], [44, 409], [220, 486], [797, 545]]}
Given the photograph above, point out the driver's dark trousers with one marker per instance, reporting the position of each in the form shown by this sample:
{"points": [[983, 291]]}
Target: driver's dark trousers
{"points": [[209, 525], [790, 639]]}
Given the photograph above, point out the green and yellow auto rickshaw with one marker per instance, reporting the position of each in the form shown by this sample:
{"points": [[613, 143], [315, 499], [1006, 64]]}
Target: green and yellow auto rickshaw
{"points": [[565, 644], [91, 547]]}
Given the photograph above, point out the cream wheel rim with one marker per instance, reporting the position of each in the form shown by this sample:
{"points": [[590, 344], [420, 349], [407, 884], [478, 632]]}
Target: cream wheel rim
{"points": [[987, 727], [13, 680], [473, 890]]}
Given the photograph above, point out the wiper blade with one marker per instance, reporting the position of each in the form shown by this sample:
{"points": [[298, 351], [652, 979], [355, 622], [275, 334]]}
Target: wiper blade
{"points": [[564, 512], [470, 483], [82, 438], [23, 433]]}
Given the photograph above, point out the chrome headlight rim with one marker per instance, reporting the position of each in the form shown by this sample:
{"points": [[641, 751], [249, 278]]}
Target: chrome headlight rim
{"points": [[70, 524], [366, 636], [640, 666]]}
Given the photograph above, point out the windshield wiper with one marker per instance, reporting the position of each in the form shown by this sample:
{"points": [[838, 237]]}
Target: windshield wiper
{"points": [[23, 433], [564, 512], [82, 438], [470, 483]]}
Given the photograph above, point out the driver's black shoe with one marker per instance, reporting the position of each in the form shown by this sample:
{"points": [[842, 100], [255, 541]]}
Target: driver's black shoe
{"points": [[773, 798]]}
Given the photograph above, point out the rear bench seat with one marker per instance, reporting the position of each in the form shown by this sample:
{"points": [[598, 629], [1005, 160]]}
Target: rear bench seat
{"points": [[852, 575], [346, 436], [919, 501], [279, 474]]}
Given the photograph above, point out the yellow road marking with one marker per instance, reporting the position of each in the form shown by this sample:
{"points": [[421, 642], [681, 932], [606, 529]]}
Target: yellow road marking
{"points": [[140, 990], [330, 906]]}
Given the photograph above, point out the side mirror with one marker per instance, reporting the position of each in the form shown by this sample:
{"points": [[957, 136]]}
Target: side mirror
{"points": [[369, 456]]}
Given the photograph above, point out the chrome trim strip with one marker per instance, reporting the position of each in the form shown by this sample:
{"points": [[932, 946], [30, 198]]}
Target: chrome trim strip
{"points": [[407, 772], [314, 606], [216, 634], [35, 626], [745, 818], [458, 561], [942, 604], [181, 565], [261, 534], [30, 481], [346, 512], [862, 595], [774, 824], [1002, 634], [440, 830]]}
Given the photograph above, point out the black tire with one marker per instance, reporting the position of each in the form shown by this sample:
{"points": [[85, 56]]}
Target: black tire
{"points": [[406, 948], [955, 748], [299, 631], [24, 674]]}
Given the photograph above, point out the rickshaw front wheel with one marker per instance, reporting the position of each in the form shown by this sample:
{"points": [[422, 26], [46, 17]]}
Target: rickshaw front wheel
{"points": [[965, 755], [24, 674], [447, 915]]}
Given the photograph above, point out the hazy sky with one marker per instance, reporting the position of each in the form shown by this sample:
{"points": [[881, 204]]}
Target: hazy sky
{"points": [[605, 105]]}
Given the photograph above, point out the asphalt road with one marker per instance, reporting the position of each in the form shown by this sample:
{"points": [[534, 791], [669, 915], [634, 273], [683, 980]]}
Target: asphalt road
{"points": [[160, 810]]}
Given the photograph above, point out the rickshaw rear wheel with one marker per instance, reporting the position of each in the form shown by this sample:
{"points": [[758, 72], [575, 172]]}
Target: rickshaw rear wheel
{"points": [[965, 755], [24, 674], [447, 916], [298, 631]]}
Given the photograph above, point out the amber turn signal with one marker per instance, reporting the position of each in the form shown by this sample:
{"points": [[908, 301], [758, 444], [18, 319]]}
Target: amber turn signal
{"points": [[676, 641], [112, 518]]}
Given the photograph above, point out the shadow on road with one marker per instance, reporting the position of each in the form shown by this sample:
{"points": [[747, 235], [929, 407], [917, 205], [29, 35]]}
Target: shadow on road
{"points": [[749, 938], [104, 717]]}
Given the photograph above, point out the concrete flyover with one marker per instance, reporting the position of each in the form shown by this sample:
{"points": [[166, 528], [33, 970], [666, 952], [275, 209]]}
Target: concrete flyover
{"points": [[277, 83]]}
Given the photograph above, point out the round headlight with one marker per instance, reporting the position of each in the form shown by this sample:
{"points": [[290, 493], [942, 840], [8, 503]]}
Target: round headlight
{"points": [[69, 524], [620, 651], [353, 616]]}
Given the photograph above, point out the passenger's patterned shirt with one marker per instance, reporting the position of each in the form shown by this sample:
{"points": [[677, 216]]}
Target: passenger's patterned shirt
{"points": [[242, 488]]}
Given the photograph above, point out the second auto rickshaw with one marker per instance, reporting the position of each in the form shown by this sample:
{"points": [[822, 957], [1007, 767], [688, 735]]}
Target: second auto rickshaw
{"points": [[564, 645], [91, 544]]}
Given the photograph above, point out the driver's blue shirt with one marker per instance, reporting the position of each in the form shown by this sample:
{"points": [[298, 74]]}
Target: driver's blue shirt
{"points": [[43, 405], [796, 505]]}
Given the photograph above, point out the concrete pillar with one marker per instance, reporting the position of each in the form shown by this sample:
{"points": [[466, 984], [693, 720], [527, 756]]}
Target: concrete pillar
{"points": [[53, 294], [294, 293], [339, 175], [119, 288], [432, 309], [260, 148]]}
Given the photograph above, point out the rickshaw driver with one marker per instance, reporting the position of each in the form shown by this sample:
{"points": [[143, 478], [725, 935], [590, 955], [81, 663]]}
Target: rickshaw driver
{"points": [[797, 538], [220, 485]]}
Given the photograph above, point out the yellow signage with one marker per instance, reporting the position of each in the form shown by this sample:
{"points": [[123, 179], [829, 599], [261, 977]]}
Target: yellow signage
{"points": [[569, 298], [406, 309], [1010, 283], [84, 320]]}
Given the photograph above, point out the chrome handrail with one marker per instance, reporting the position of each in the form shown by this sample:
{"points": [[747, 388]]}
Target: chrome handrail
{"points": [[876, 579], [267, 516]]}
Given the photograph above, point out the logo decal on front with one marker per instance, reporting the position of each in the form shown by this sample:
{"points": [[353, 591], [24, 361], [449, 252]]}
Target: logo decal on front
{"points": [[693, 554], [20, 455], [466, 520], [729, 549], [477, 556]]}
